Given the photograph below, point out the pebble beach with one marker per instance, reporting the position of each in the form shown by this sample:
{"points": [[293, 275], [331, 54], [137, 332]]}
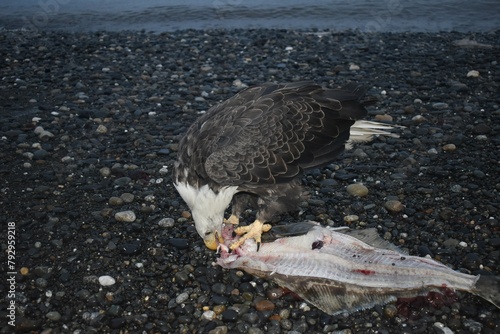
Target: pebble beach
{"points": [[89, 128]]}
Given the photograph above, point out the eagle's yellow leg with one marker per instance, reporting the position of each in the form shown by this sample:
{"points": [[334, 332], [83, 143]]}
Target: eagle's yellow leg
{"points": [[252, 231], [232, 220]]}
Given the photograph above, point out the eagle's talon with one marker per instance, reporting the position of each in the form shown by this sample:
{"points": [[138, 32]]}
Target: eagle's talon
{"points": [[252, 231], [234, 220]]}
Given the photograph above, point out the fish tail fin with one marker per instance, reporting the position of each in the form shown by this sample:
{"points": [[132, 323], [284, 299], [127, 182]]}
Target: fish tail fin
{"points": [[488, 287]]}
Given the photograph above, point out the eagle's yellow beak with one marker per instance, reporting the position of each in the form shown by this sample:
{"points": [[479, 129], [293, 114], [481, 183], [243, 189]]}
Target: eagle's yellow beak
{"points": [[213, 241]]}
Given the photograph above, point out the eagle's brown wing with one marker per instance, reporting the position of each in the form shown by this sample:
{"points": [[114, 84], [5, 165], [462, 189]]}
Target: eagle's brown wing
{"points": [[269, 133]]}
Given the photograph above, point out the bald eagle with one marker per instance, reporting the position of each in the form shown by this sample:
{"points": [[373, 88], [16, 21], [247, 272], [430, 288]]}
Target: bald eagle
{"points": [[252, 149]]}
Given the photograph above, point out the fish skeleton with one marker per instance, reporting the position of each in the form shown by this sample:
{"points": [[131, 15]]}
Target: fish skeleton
{"points": [[339, 273]]}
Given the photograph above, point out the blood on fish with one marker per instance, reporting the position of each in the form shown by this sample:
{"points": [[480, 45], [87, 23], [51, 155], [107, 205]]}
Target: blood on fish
{"points": [[317, 244], [364, 271], [412, 308]]}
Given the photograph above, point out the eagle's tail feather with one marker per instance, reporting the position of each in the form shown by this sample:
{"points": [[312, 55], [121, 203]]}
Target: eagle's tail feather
{"points": [[365, 131]]}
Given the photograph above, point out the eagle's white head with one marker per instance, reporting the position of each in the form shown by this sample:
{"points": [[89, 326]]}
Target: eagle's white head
{"points": [[207, 208]]}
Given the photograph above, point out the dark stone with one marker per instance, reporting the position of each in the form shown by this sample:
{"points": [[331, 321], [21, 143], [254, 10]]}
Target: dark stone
{"points": [[229, 315], [179, 243]]}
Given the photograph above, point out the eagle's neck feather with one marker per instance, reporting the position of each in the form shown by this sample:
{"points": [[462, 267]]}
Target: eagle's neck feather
{"points": [[204, 198]]}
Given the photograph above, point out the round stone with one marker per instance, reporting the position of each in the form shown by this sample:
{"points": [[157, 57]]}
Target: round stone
{"points": [[125, 216], [449, 147], [101, 129], [105, 172], [115, 201], [264, 305], [53, 315], [357, 189], [106, 280], [181, 298], [394, 206], [127, 197], [351, 218]]}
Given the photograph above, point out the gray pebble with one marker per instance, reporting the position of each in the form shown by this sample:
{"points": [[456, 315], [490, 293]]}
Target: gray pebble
{"points": [[472, 326], [41, 282], [166, 222], [115, 201], [123, 181], [40, 154], [125, 216], [101, 129], [394, 206], [439, 105], [127, 197], [53, 315], [105, 171], [181, 298]]}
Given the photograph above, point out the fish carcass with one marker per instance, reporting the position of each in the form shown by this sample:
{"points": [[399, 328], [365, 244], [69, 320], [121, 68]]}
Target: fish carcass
{"points": [[339, 273]]}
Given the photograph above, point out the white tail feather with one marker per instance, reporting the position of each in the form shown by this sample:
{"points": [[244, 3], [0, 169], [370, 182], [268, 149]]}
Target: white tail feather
{"points": [[365, 131]]}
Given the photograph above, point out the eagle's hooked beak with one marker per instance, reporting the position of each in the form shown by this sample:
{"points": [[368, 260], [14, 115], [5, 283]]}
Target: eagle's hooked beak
{"points": [[213, 240]]}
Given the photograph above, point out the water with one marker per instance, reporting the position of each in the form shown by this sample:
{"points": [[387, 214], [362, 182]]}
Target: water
{"points": [[164, 15]]}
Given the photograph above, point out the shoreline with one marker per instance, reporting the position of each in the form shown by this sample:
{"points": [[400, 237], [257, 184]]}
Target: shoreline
{"points": [[90, 124]]}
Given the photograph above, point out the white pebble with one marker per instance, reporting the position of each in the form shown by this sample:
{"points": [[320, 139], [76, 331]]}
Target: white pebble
{"points": [[164, 170], [432, 151], [304, 307], [442, 328], [36, 119], [125, 216], [106, 280], [462, 244], [289, 48], [354, 67], [481, 137], [417, 101], [208, 315], [473, 74], [106, 69]]}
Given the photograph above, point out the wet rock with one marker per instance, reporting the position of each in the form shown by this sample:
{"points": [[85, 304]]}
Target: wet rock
{"points": [[264, 305], [125, 216], [357, 189], [394, 206]]}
